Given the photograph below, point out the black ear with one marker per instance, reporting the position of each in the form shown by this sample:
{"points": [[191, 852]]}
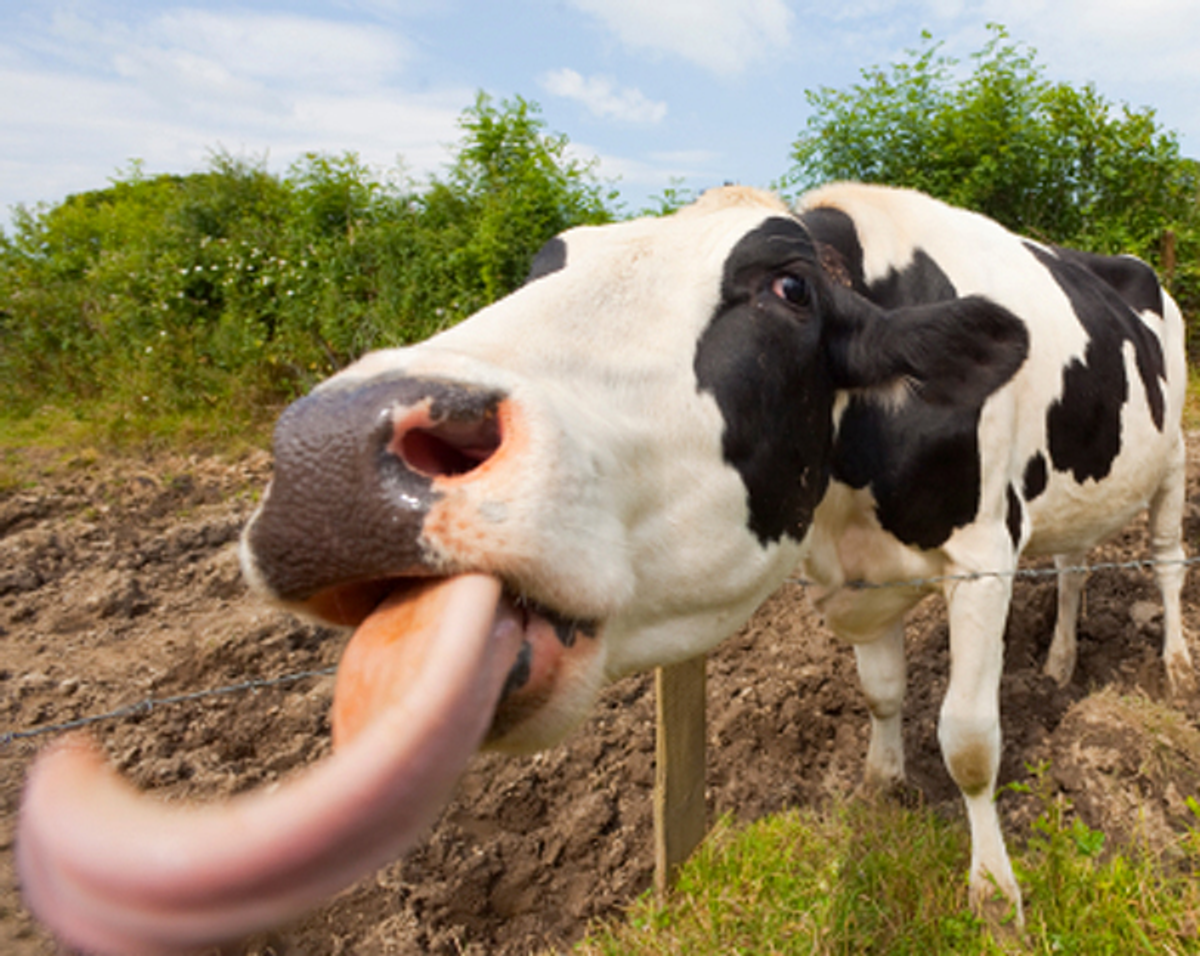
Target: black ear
{"points": [[955, 352]]}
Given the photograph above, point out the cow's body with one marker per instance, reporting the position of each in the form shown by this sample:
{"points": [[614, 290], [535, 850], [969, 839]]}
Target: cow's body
{"points": [[1081, 439], [626, 456]]}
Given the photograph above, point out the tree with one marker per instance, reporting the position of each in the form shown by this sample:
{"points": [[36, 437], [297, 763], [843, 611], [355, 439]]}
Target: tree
{"points": [[1046, 159], [511, 187]]}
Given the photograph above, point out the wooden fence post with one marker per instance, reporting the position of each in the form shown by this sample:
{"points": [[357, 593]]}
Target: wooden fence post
{"points": [[680, 816]]}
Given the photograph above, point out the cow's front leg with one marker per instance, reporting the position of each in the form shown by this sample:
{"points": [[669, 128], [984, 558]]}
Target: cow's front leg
{"points": [[969, 729], [881, 669]]}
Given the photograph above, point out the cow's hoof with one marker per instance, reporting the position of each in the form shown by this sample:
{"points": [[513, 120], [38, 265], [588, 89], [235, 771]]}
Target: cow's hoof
{"points": [[997, 908], [1060, 668], [1002, 919], [1181, 678], [896, 791]]}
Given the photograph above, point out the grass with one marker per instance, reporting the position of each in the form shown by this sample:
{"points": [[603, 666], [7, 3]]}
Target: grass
{"points": [[861, 879], [55, 439]]}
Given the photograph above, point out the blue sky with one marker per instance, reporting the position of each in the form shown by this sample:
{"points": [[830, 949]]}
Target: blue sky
{"points": [[699, 90]]}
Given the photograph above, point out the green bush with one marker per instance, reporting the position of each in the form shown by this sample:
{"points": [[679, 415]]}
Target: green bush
{"points": [[233, 289]]}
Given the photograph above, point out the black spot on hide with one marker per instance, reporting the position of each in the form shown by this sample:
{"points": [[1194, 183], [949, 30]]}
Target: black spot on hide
{"points": [[551, 258], [1014, 517], [920, 281], [921, 462], [1133, 280], [1084, 425], [917, 451], [1036, 476]]}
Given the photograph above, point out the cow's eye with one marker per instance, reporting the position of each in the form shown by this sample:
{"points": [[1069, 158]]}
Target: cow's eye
{"points": [[791, 289]]}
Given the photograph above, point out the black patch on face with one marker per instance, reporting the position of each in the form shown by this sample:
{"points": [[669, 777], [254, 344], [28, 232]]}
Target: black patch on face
{"points": [[920, 282], [551, 258], [1036, 476], [771, 370], [1084, 426], [840, 252], [518, 675], [1013, 518], [760, 358]]}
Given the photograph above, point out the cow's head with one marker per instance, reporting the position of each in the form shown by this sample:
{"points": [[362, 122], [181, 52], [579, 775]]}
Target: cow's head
{"points": [[607, 470]]}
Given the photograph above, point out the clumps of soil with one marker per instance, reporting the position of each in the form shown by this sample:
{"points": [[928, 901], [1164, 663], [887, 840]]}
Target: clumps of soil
{"points": [[1129, 765], [119, 583]]}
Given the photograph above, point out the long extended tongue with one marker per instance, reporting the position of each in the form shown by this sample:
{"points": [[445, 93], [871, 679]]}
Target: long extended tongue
{"points": [[113, 871]]}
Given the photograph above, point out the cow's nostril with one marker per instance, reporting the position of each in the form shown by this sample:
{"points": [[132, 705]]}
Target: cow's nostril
{"points": [[448, 448]]}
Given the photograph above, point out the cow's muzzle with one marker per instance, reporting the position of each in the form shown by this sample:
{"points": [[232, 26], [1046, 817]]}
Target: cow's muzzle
{"points": [[357, 469]]}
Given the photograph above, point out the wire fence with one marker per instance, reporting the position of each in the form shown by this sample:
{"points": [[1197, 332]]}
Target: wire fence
{"points": [[150, 704], [146, 706]]}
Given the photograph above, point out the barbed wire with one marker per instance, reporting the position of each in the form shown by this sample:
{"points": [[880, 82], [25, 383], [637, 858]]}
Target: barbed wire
{"points": [[150, 704], [146, 706], [1142, 564]]}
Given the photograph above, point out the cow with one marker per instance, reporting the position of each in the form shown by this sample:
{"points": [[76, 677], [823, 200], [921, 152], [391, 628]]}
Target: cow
{"points": [[609, 470]]}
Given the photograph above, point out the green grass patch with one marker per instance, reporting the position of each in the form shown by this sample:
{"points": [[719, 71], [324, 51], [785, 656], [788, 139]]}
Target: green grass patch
{"points": [[861, 879], [54, 440]]}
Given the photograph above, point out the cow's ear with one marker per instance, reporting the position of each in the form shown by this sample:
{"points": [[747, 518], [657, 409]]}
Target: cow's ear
{"points": [[954, 352]]}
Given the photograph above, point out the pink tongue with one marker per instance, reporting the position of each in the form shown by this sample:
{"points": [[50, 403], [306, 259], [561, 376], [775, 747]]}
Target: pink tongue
{"points": [[113, 871]]}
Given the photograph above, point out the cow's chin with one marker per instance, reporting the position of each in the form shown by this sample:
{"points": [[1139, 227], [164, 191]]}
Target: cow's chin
{"points": [[434, 669], [536, 719], [550, 687]]}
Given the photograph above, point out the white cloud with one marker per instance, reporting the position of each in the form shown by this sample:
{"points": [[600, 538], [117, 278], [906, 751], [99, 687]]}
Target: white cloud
{"points": [[723, 36], [654, 171], [603, 97], [198, 48], [1099, 38], [1108, 41], [168, 89]]}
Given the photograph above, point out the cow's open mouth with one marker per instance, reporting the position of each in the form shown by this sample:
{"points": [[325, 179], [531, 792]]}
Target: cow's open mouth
{"points": [[531, 680], [435, 667]]}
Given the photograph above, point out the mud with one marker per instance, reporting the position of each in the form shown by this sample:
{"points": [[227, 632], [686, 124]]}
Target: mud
{"points": [[119, 584]]}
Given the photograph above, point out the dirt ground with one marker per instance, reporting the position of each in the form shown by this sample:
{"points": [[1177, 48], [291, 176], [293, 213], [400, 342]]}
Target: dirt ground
{"points": [[119, 583]]}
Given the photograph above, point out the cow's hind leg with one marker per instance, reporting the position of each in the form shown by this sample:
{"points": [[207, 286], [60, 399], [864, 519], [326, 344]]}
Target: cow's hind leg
{"points": [[969, 732], [1166, 548], [1060, 661], [881, 669]]}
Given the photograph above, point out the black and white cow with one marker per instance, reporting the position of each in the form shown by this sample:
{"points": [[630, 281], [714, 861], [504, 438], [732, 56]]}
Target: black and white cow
{"points": [[610, 470]]}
